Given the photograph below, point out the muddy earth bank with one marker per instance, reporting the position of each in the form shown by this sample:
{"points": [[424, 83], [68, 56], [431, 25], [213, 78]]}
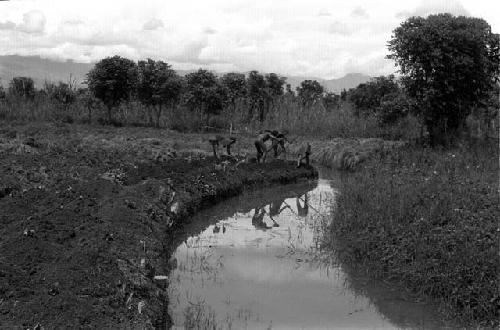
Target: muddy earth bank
{"points": [[83, 222]]}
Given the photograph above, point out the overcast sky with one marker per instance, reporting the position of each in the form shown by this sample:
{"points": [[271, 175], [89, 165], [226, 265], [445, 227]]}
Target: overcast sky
{"points": [[321, 38]]}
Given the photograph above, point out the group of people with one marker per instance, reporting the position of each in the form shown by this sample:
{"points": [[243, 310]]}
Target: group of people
{"points": [[277, 141]]}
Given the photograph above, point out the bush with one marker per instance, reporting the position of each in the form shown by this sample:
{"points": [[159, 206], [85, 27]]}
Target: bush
{"points": [[393, 107]]}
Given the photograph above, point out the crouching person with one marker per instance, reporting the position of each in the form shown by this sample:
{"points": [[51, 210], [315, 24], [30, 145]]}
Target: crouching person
{"points": [[304, 155], [226, 142]]}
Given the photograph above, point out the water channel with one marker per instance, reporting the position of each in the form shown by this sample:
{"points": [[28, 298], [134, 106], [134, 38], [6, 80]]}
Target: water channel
{"points": [[255, 262]]}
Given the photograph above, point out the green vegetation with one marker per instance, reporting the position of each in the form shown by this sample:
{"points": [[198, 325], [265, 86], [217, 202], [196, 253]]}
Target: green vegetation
{"points": [[449, 64], [427, 219]]}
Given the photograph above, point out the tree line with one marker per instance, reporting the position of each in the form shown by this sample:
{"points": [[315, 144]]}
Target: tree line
{"points": [[448, 69], [115, 80]]}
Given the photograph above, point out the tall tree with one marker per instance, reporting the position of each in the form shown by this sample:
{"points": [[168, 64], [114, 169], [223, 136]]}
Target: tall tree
{"points": [[449, 64], [204, 93], [274, 90], [113, 80], [235, 85], [235, 88], [275, 84], [310, 92], [159, 86], [257, 94]]}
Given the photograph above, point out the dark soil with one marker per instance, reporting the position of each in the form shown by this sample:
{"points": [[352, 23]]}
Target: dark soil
{"points": [[83, 230]]}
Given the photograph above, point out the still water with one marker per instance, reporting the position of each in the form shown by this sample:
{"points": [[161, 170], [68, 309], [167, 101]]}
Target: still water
{"points": [[255, 262]]}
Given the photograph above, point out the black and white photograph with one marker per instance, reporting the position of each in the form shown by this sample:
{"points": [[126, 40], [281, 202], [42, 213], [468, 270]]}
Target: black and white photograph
{"points": [[249, 164]]}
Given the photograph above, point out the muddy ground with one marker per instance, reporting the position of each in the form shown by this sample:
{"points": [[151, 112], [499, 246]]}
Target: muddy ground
{"points": [[85, 212]]}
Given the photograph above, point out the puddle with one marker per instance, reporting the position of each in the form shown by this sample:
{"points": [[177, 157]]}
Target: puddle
{"points": [[252, 262]]}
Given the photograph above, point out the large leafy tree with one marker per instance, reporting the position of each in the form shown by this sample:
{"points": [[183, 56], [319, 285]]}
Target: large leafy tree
{"points": [[257, 94], [273, 91], [113, 80], [235, 86], [449, 64], [204, 93], [275, 84], [159, 86], [310, 92]]}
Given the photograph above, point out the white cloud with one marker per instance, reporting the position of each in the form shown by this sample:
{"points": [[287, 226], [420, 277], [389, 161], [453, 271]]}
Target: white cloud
{"points": [[209, 30], [33, 22], [323, 38], [360, 12], [427, 7], [340, 28], [153, 24]]}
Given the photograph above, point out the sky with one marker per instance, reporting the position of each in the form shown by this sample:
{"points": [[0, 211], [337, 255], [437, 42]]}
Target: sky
{"points": [[313, 38]]}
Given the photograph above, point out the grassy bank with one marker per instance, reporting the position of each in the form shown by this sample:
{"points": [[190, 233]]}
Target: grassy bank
{"points": [[428, 220], [285, 113]]}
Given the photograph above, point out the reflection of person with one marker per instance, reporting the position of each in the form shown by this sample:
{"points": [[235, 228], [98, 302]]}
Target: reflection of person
{"points": [[275, 207], [258, 220], [302, 211]]}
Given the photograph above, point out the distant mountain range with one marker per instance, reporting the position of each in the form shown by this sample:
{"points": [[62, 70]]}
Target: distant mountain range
{"points": [[44, 69]]}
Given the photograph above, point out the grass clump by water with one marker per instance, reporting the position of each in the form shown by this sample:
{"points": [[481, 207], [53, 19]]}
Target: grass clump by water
{"points": [[428, 220]]}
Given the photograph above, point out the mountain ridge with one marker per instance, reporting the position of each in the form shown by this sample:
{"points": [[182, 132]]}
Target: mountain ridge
{"points": [[42, 70]]}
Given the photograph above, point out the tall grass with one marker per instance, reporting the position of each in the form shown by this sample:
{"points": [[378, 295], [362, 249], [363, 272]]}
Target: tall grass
{"points": [[283, 113], [427, 219]]}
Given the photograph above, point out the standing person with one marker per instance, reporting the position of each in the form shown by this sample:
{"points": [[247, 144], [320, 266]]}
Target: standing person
{"points": [[278, 144]]}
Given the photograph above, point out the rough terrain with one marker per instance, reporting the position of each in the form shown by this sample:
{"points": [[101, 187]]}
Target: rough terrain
{"points": [[84, 213]]}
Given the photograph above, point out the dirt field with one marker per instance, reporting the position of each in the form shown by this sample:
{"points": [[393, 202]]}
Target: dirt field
{"points": [[84, 213]]}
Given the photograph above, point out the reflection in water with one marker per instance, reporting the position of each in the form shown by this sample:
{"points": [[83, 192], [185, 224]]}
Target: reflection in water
{"points": [[302, 211], [253, 262]]}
